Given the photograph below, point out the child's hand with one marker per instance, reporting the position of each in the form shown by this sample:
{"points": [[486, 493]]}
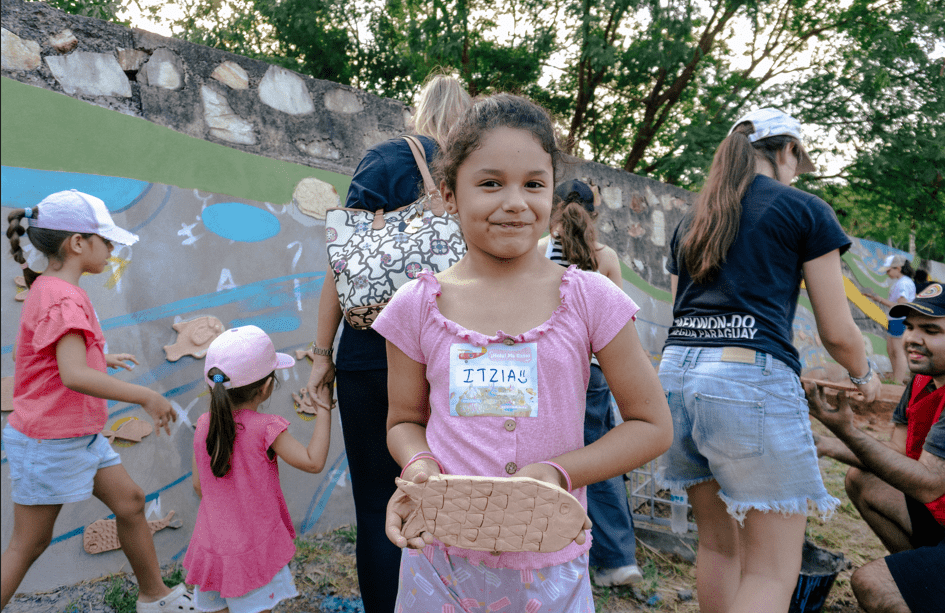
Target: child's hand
{"points": [[400, 509], [550, 474], [160, 410], [120, 360], [543, 472], [421, 466]]}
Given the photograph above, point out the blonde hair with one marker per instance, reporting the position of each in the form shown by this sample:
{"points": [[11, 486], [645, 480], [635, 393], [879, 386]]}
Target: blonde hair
{"points": [[440, 103]]}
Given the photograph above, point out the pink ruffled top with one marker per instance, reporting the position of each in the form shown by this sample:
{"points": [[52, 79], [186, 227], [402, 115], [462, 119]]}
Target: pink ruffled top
{"points": [[243, 535], [592, 311], [43, 407]]}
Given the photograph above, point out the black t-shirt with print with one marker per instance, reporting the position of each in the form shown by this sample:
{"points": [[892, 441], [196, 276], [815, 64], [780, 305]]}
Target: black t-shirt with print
{"points": [[752, 300]]}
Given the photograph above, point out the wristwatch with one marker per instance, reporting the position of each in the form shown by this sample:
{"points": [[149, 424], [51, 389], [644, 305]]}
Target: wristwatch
{"points": [[865, 378], [325, 352]]}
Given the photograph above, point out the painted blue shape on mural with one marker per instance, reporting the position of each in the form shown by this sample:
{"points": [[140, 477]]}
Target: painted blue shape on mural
{"points": [[240, 222], [269, 324], [23, 187]]}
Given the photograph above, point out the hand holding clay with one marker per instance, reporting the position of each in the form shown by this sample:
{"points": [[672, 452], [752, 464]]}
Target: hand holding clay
{"points": [[872, 388], [550, 474], [490, 514], [120, 360], [160, 410], [403, 518], [321, 383], [835, 420]]}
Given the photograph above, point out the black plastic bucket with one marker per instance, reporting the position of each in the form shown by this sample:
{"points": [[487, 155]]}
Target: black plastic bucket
{"points": [[819, 569]]}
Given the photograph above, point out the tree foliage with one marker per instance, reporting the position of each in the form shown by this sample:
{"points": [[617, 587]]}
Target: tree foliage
{"points": [[652, 86]]}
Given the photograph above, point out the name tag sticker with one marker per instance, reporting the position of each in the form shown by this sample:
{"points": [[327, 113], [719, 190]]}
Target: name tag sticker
{"points": [[494, 380]]}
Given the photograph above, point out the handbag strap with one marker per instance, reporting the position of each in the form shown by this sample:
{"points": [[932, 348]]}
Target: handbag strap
{"points": [[419, 155]]}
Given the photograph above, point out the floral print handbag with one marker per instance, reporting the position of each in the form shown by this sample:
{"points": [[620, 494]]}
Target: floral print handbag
{"points": [[373, 254]]}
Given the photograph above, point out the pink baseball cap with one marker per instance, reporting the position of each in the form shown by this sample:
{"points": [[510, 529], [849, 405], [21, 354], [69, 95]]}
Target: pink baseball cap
{"points": [[74, 211], [245, 355]]}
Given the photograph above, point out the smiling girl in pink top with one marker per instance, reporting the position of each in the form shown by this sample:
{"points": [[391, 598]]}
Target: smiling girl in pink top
{"points": [[538, 324]]}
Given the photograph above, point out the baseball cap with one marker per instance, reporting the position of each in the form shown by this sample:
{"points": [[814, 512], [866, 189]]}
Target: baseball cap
{"points": [[769, 122], [584, 192], [245, 355], [74, 211], [892, 261], [930, 302]]}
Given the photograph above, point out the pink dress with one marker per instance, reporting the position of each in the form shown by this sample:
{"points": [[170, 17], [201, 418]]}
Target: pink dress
{"points": [[43, 407], [592, 311], [243, 535]]}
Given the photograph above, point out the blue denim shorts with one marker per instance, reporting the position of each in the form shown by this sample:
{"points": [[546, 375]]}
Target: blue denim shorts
{"points": [[57, 470], [740, 417]]}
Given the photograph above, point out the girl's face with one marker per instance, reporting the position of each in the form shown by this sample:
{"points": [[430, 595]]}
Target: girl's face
{"points": [[894, 273], [503, 194], [97, 254]]}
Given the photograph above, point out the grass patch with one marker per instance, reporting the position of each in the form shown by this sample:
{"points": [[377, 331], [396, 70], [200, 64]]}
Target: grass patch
{"points": [[122, 593], [349, 533], [74, 607]]}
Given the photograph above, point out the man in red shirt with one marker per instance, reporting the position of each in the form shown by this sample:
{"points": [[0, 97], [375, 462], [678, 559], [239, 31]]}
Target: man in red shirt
{"points": [[899, 486]]}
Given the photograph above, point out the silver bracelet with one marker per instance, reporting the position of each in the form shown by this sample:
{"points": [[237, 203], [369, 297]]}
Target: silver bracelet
{"points": [[865, 378], [325, 352]]}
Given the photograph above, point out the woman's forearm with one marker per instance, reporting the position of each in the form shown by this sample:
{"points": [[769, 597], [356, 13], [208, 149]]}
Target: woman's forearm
{"points": [[329, 313]]}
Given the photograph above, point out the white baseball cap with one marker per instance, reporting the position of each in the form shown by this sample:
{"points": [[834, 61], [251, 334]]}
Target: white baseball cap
{"points": [[245, 355], [892, 261], [773, 122], [74, 211]]}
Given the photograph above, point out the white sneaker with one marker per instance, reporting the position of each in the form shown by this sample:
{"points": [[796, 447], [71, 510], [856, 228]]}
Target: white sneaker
{"points": [[623, 575]]}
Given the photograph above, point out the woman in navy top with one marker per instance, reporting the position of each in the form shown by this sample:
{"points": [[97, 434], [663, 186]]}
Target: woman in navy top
{"points": [[743, 447], [386, 178]]}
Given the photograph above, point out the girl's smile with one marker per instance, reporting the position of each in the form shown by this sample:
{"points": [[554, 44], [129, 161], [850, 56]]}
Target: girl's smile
{"points": [[503, 194]]}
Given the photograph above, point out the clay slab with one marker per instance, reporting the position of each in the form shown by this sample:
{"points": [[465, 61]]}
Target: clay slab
{"points": [[493, 514]]}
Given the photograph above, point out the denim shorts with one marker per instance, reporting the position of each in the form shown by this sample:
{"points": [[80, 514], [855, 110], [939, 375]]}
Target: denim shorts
{"points": [[282, 587], [740, 417], [57, 470]]}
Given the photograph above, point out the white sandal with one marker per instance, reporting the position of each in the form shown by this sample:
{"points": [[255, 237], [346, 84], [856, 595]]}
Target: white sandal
{"points": [[178, 600]]}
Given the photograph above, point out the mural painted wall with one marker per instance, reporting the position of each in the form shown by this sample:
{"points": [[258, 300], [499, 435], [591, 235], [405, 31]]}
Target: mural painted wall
{"points": [[202, 253]]}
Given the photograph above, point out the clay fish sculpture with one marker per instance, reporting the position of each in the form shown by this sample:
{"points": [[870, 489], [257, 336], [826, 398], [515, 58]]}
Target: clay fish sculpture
{"points": [[493, 514], [102, 534], [132, 430]]}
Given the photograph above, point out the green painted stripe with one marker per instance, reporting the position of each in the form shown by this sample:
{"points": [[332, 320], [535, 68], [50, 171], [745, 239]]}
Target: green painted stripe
{"points": [[50, 131], [862, 278], [631, 275], [879, 344], [804, 301]]}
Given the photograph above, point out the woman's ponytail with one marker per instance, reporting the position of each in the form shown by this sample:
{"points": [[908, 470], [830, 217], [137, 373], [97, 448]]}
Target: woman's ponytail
{"points": [[718, 208], [222, 432], [15, 231], [577, 234]]}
